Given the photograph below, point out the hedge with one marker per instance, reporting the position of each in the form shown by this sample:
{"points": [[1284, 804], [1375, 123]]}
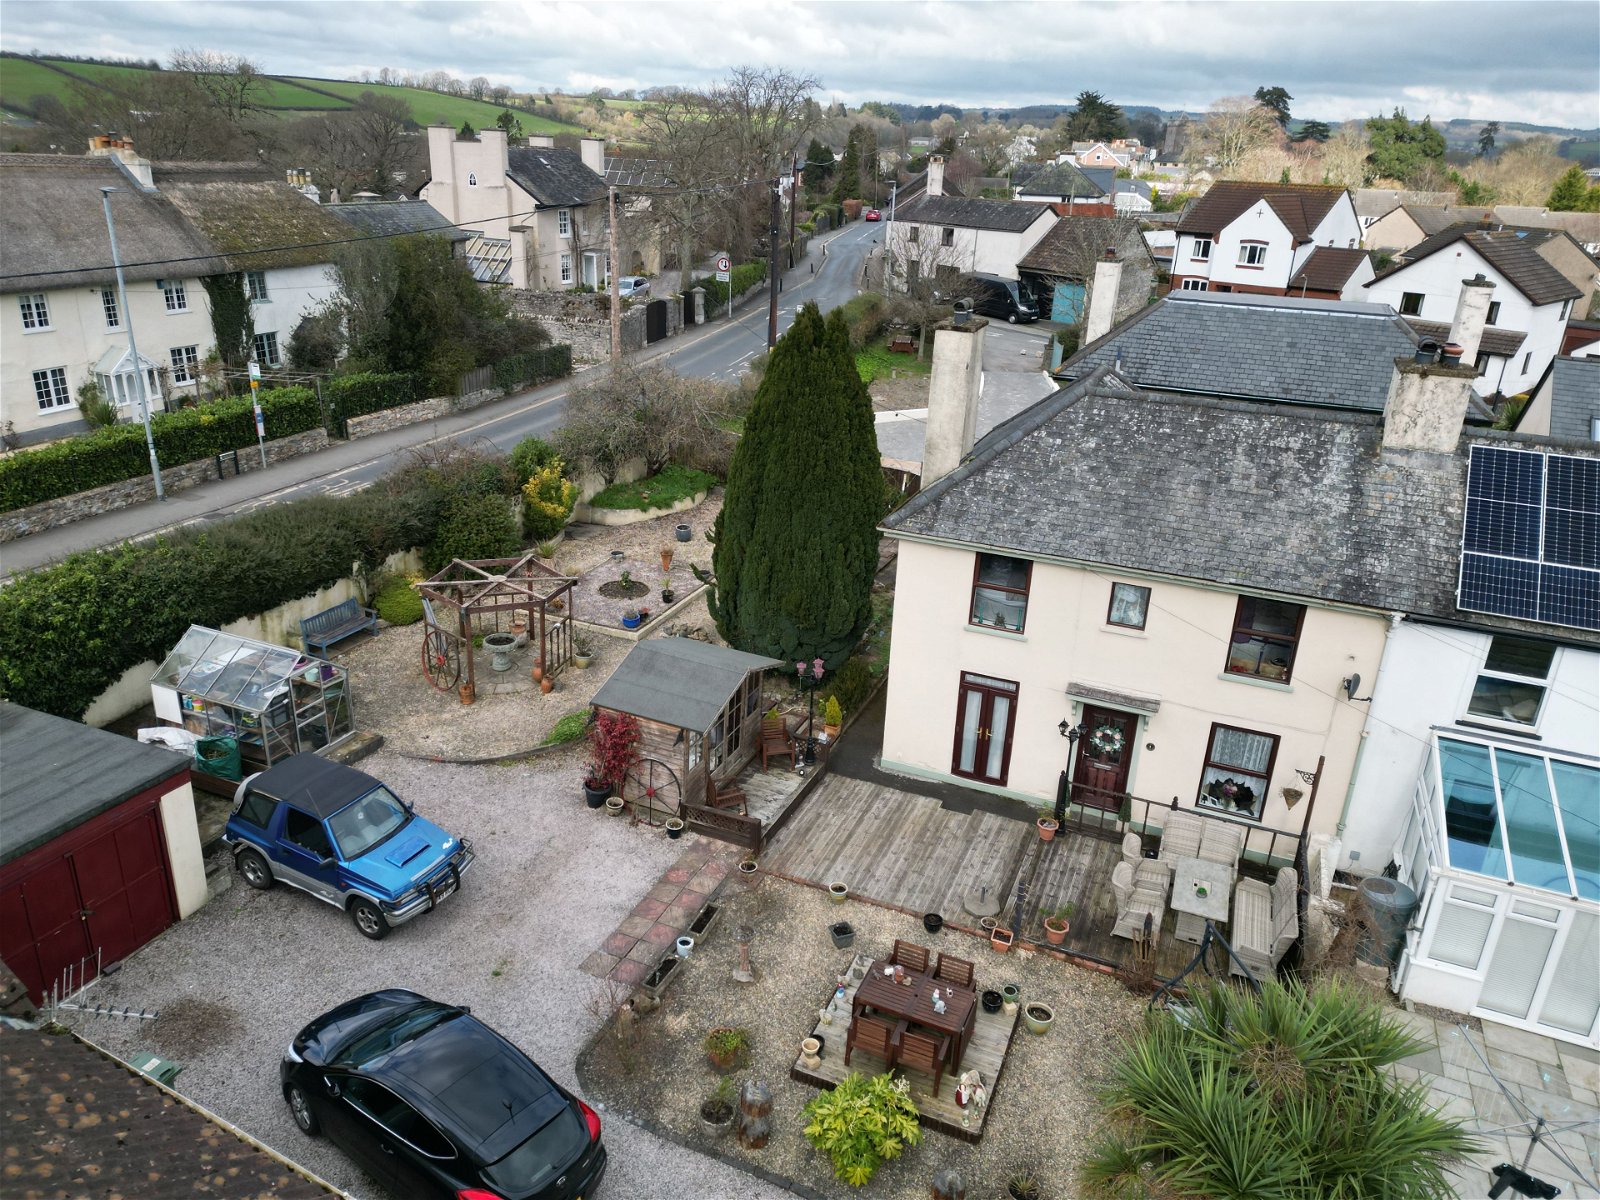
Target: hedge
{"points": [[66, 632], [533, 367], [745, 276], [119, 452], [369, 392]]}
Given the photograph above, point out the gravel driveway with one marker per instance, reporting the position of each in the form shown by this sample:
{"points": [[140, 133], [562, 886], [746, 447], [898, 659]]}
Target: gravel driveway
{"points": [[238, 979]]}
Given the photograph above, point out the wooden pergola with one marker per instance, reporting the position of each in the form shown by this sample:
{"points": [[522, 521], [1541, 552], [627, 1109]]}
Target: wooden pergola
{"points": [[485, 596]]}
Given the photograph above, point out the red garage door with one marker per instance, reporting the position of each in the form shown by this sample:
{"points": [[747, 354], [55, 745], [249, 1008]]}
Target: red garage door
{"points": [[106, 886]]}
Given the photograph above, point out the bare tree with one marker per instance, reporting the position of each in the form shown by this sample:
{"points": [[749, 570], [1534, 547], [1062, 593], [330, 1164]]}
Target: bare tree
{"points": [[500, 93], [1344, 156], [1523, 173], [923, 272], [1234, 127], [366, 148], [478, 88], [234, 84]]}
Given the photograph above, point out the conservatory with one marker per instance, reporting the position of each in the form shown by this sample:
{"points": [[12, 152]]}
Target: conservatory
{"points": [[271, 700], [1502, 847]]}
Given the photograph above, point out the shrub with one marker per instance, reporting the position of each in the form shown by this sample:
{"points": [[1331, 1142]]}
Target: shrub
{"points": [[743, 277], [569, 728], [547, 500], [369, 392], [533, 367], [528, 455], [852, 683], [674, 483], [96, 409], [832, 714], [862, 1124], [118, 453], [398, 602], [613, 747], [473, 527], [864, 317]]}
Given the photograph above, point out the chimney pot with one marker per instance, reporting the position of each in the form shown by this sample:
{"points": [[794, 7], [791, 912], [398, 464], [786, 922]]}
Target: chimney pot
{"points": [[1427, 352], [1452, 354]]}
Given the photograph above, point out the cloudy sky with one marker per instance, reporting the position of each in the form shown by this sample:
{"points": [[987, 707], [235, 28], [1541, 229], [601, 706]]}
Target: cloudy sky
{"points": [[1537, 62]]}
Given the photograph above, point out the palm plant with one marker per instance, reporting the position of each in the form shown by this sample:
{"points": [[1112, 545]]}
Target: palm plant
{"points": [[1281, 1096]]}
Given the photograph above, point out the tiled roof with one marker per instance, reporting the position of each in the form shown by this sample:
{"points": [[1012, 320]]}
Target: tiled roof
{"points": [[1584, 227], [1575, 398], [1249, 496], [554, 177], [1300, 206], [1509, 251], [392, 218], [1063, 179], [1504, 342], [1007, 216], [1318, 352], [1328, 269], [1377, 202], [1070, 247], [81, 1124], [1432, 218]]}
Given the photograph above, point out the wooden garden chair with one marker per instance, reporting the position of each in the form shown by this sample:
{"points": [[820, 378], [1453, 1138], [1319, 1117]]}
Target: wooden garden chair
{"points": [[910, 956], [726, 796], [950, 969], [924, 1052], [775, 741], [873, 1036]]}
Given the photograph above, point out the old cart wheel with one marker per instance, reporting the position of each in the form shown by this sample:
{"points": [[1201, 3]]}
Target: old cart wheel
{"points": [[441, 659], [652, 790]]}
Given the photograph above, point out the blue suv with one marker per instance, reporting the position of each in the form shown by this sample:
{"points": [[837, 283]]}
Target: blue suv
{"points": [[343, 836]]}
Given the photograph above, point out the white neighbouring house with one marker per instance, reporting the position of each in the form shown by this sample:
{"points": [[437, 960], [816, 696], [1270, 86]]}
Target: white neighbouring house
{"points": [[1255, 237], [939, 237], [1531, 297]]}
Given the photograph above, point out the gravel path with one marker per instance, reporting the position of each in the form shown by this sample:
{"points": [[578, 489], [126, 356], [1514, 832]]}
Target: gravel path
{"points": [[1042, 1115], [238, 979]]}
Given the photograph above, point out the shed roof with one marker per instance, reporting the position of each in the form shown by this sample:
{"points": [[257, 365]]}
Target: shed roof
{"points": [[61, 773], [553, 176], [81, 1123], [678, 681], [1005, 216], [1300, 206], [394, 218], [1327, 269]]}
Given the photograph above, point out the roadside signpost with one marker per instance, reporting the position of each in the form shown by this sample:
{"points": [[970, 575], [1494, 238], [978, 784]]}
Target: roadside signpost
{"points": [[255, 401], [725, 275]]}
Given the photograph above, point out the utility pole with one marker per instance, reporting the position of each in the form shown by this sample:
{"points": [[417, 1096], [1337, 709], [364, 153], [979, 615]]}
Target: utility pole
{"points": [[794, 202], [133, 348], [616, 281], [772, 268]]}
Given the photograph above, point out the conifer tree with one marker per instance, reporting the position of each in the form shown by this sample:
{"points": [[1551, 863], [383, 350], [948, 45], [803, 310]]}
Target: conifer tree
{"points": [[797, 538]]}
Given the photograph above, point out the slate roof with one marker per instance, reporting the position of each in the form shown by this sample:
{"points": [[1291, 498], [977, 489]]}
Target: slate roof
{"points": [[1431, 218], [79, 1123], [258, 225], [1584, 227], [1300, 206], [1378, 202], [395, 218], [1070, 247], [53, 227], [1106, 179], [60, 773], [1063, 179], [1327, 269], [1511, 252], [1317, 352], [1023, 172], [1575, 398], [1256, 497], [1503, 342], [678, 681], [554, 177], [1006, 216]]}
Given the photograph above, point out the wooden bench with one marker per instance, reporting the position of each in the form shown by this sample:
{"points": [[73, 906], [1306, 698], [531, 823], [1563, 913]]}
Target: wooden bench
{"points": [[335, 624]]}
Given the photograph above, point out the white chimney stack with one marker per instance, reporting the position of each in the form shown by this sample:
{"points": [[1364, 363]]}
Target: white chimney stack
{"points": [[936, 176], [1103, 298], [1427, 403], [593, 151], [1472, 314], [542, 140], [953, 395]]}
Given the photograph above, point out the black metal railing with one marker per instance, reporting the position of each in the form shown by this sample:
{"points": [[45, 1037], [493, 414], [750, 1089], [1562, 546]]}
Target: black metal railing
{"points": [[1109, 814]]}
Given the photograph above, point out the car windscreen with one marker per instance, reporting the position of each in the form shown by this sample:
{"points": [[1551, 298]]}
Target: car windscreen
{"points": [[358, 827], [386, 1037], [546, 1154]]}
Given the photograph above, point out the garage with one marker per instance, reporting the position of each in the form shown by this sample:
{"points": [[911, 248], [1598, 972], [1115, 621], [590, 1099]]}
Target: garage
{"points": [[99, 849]]}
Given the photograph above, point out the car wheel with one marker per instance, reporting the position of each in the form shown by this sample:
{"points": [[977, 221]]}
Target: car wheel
{"points": [[255, 870], [369, 920], [300, 1109], [1012, 318]]}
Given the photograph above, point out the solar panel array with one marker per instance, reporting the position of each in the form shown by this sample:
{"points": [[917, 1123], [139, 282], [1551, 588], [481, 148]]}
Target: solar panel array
{"points": [[1531, 543]]}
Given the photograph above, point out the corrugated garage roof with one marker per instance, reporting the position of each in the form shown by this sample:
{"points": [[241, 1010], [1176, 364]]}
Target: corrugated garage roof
{"points": [[678, 681], [60, 773]]}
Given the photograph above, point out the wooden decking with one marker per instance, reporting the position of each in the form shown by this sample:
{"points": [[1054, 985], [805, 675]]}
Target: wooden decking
{"points": [[911, 852], [986, 1053]]}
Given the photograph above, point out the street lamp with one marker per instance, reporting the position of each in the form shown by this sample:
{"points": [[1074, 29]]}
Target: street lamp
{"points": [[807, 676], [1072, 733], [133, 349]]}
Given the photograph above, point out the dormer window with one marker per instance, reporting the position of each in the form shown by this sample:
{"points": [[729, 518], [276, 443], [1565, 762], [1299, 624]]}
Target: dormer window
{"points": [[472, 179]]}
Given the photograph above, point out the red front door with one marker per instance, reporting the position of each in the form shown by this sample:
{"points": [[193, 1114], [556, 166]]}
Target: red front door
{"points": [[1105, 751], [985, 715]]}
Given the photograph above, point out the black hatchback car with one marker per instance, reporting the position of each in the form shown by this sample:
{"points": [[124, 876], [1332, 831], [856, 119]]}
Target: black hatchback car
{"points": [[431, 1102]]}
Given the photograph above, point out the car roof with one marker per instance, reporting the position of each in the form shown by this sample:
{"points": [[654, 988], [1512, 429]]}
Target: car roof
{"points": [[313, 784], [487, 1094]]}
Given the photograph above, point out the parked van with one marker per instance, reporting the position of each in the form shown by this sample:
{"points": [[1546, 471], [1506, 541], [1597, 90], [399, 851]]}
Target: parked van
{"points": [[992, 296]]}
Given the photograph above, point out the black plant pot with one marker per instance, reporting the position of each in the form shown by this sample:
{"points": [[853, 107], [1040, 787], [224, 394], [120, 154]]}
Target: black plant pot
{"points": [[683, 533], [932, 922], [843, 934], [991, 1001], [594, 797], [667, 596]]}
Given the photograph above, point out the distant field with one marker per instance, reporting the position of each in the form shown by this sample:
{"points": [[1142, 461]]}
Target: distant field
{"points": [[431, 108], [22, 79]]}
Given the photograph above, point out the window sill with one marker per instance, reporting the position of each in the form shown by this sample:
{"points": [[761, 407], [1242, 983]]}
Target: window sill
{"points": [[1225, 810], [1253, 681], [991, 631], [1248, 267], [40, 329], [1124, 631], [1507, 727]]}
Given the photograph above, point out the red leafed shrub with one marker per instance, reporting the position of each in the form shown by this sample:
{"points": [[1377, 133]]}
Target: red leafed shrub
{"points": [[613, 747]]}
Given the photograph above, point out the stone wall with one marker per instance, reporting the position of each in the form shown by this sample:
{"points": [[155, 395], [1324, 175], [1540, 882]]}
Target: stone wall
{"points": [[423, 410], [66, 509], [583, 320]]}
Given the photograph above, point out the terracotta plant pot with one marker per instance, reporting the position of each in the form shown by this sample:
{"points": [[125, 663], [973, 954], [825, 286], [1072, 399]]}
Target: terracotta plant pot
{"points": [[538, 672], [832, 731], [666, 559], [547, 685], [1055, 932], [466, 693], [1047, 828], [1000, 940]]}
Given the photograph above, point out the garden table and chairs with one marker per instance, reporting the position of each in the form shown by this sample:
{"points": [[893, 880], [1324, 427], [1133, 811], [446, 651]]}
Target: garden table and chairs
{"points": [[923, 1035]]}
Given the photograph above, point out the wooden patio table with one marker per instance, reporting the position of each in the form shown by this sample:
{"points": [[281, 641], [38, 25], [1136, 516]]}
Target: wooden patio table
{"points": [[913, 1002]]}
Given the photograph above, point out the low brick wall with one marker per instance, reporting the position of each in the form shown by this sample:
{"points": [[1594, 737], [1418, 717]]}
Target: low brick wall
{"points": [[67, 509], [591, 515], [422, 410]]}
